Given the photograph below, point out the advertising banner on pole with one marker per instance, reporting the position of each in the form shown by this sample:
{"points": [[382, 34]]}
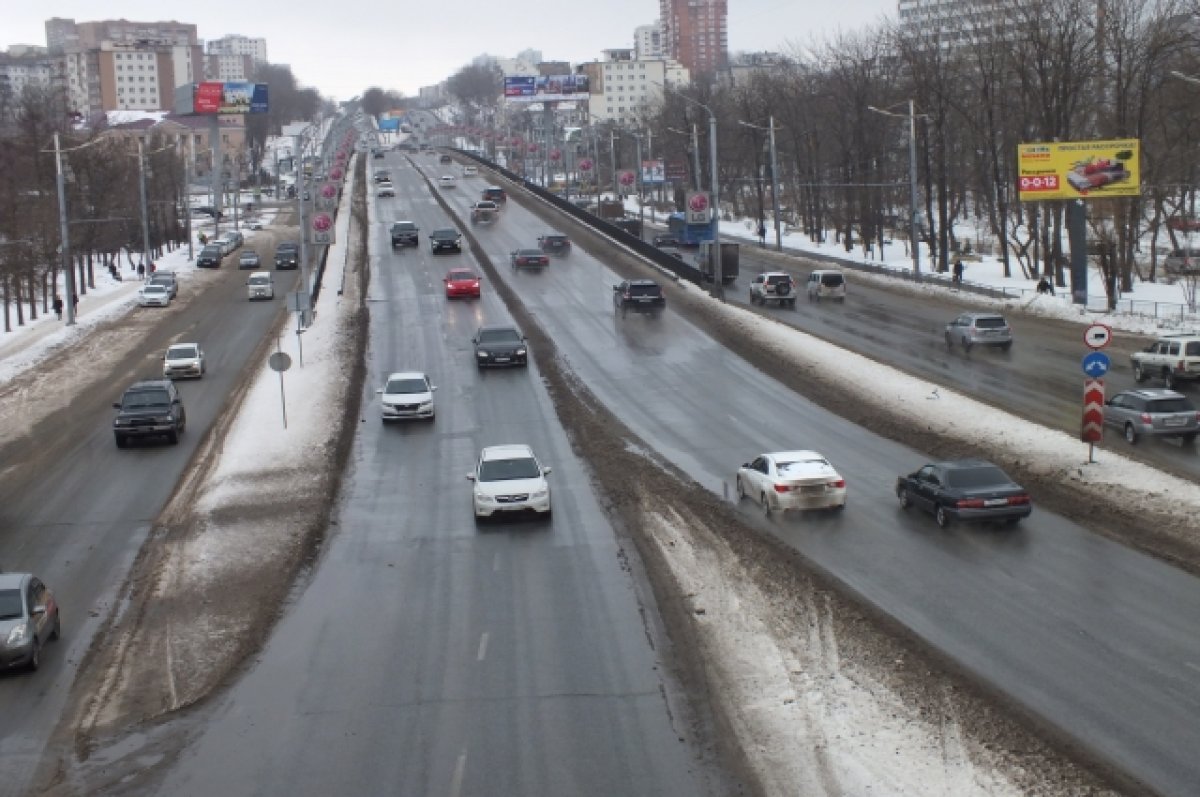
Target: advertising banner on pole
{"points": [[698, 208], [654, 172], [1078, 169], [545, 88]]}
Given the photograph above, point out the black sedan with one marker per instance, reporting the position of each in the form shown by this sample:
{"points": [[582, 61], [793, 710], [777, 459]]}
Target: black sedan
{"points": [[500, 345], [555, 244], [445, 239], [965, 489], [529, 258]]}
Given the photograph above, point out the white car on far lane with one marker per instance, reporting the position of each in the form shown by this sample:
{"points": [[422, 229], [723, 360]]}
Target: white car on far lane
{"points": [[407, 394], [154, 296], [447, 181], [784, 480]]}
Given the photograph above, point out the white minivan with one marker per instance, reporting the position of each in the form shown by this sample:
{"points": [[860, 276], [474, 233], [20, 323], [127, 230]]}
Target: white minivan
{"points": [[826, 284], [261, 285]]}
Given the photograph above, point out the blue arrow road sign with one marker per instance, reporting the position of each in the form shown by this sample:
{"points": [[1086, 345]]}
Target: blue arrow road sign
{"points": [[1096, 364]]}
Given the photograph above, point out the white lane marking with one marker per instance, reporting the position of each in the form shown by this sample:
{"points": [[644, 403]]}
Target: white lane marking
{"points": [[483, 640], [459, 769]]}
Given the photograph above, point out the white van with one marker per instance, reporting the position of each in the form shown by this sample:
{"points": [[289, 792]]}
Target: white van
{"points": [[826, 283], [261, 285]]}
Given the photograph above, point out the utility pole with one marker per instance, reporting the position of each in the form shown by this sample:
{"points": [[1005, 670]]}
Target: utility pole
{"points": [[141, 147], [65, 246], [187, 195], [718, 275], [775, 185], [912, 184], [641, 188], [302, 183], [696, 156]]}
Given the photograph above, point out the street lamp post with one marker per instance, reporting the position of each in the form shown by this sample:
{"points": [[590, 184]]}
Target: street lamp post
{"points": [[774, 178], [914, 231], [64, 246]]}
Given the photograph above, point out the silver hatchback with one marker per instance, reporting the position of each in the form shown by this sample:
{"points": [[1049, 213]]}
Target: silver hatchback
{"points": [[1152, 411], [979, 329]]}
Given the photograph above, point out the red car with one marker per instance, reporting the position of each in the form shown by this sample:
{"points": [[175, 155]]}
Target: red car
{"points": [[461, 282]]}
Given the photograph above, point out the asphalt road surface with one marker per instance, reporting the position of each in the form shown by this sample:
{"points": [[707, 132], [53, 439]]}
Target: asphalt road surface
{"points": [[432, 657], [74, 509], [1094, 637]]}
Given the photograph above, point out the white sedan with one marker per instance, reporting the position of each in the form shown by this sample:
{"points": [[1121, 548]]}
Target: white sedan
{"points": [[509, 479], [407, 394], [447, 181], [792, 480], [154, 296]]}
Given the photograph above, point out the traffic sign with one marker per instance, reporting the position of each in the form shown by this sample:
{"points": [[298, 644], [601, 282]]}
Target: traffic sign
{"points": [[279, 361], [1093, 411], [1096, 364], [1097, 336]]}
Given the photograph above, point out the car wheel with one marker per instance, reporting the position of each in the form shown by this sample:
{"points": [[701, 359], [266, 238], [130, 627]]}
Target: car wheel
{"points": [[121, 441], [949, 341], [942, 517], [905, 500], [57, 632], [1139, 375], [35, 658], [1012, 521], [1131, 436], [840, 507], [1169, 380], [1006, 346], [173, 437], [966, 344], [766, 504], [741, 489], [1189, 438]]}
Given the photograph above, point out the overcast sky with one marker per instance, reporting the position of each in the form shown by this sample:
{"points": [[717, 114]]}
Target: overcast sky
{"points": [[342, 48]]}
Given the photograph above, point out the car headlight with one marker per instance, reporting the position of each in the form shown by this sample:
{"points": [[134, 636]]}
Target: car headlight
{"points": [[163, 419], [17, 635], [481, 354], [120, 422], [426, 404], [520, 352], [542, 493], [483, 498]]}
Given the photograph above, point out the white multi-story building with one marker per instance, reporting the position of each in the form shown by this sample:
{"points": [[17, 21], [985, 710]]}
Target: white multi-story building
{"points": [[24, 66], [622, 86], [648, 42], [954, 22], [234, 44]]}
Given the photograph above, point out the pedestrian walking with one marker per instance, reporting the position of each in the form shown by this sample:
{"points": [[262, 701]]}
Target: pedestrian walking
{"points": [[762, 234], [75, 303], [141, 271], [958, 271], [1044, 287], [57, 304], [153, 267]]}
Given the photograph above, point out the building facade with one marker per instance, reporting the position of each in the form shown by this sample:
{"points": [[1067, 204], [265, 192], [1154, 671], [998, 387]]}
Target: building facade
{"points": [[123, 65], [235, 44], [621, 86], [24, 66], [648, 42], [696, 33]]}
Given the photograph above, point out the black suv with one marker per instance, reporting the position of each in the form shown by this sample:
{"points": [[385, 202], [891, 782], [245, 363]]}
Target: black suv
{"points": [[555, 244], [404, 233], [500, 346], [149, 409], [644, 295], [210, 257], [494, 193], [445, 238], [287, 255], [445, 159]]}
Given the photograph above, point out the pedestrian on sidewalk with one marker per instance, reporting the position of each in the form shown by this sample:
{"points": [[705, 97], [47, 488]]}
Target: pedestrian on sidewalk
{"points": [[762, 234], [57, 304], [75, 303], [141, 271], [958, 271]]}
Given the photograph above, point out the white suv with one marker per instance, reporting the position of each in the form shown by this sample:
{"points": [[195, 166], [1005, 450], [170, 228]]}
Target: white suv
{"points": [[773, 286], [1173, 358], [509, 479]]}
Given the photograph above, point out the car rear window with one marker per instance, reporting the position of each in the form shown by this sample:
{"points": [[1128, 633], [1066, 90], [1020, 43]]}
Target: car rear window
{"points": [[832, 280], [977, 477], [645, 290], [775, 279], [1179, 404], [992, 322]]}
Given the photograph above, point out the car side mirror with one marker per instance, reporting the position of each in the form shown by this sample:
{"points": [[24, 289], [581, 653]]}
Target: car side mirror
{"points": [[39, 609], [471, 477], [616, 287], [432, 388], [380, 390], [546, 471], [745, 464], [116, 405]]}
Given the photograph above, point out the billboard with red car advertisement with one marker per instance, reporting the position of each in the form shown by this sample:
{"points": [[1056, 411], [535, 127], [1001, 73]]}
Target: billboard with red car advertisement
{"points": [[227, 97], [1078, 169]]}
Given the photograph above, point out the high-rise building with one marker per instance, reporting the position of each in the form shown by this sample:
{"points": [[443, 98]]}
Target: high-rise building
{"points": [[23, 66], [648, 42], [123, 65], [234, 44], [696, 33], [954, 22]]}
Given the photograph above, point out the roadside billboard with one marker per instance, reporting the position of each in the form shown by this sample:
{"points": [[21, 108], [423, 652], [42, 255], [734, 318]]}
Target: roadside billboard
{"points": [[389, 125], [654, 172], [545, 88], [1078, 169], [233, 97]]}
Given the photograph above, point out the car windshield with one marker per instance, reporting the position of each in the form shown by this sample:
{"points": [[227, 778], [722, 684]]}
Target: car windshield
{"points": [[146, 398], [249, 256], [260, 279], [10, 604], [1180, 404], [556, 239], [499, 470], [983, 476], [406, 385], [403, 225], [286, 248], [181, 352], [990, 322], [499, 336], [445, 233], [154, 289], [211, 250]]}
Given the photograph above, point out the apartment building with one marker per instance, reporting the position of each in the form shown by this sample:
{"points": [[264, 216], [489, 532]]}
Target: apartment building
{"points": [[696, 33]]}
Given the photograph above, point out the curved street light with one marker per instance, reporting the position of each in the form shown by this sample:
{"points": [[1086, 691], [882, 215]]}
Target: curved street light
{"points": [[914, 233], [774, 175]]}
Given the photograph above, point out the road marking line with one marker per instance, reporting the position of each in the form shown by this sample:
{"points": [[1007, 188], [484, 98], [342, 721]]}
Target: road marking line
{"points": [[483, 640], [459, 769]]}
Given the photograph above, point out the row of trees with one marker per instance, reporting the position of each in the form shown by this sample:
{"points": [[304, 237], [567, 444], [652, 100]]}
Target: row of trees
{"points": [[102, 190], [1047, 70]]}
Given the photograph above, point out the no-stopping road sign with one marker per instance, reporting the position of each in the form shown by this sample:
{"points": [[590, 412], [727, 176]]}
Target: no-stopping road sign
{"points": [[1097, 336]]}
